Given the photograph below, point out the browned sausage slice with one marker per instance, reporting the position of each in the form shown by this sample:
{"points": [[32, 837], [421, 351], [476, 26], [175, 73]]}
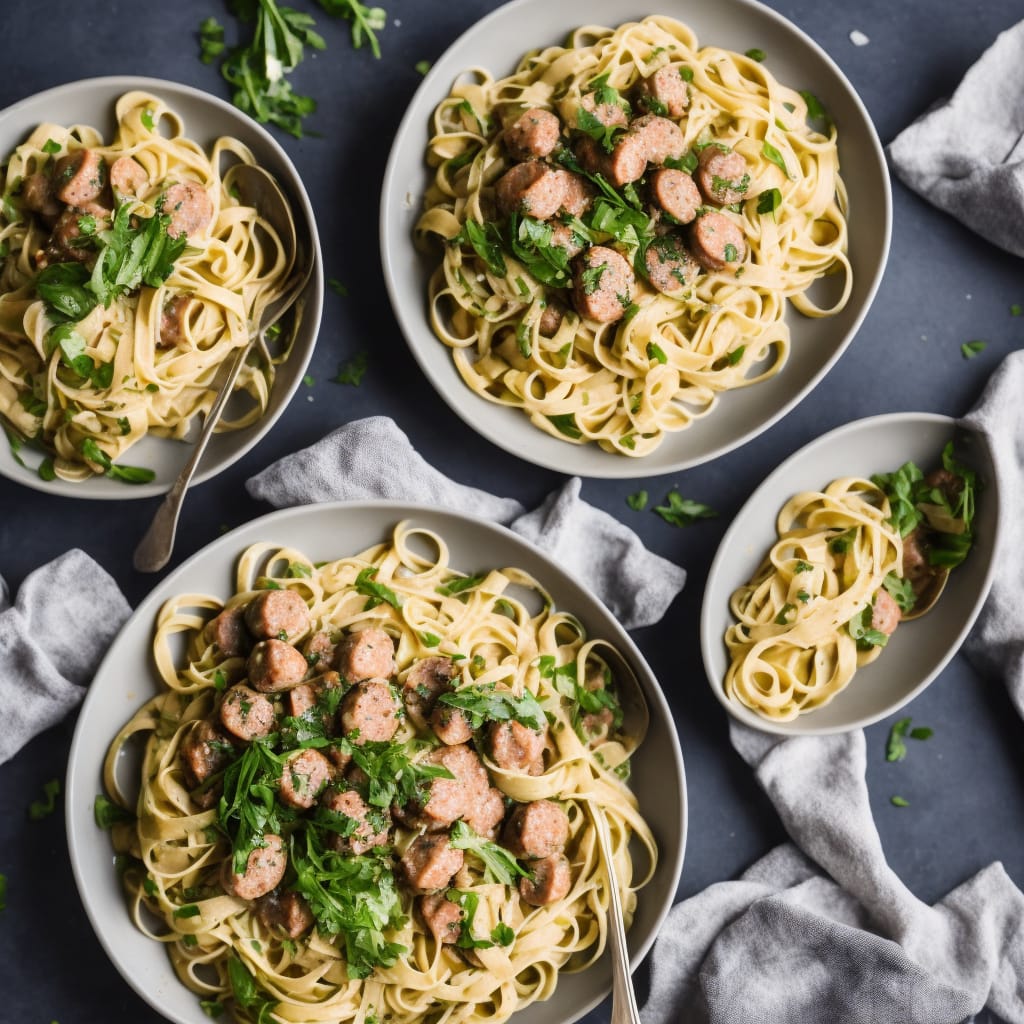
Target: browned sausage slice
{"points": [[274, 665], [263, 870], [80, 177], [671, 269], [451, 799], [486, 812], [303, 777], [127, 176], [37, 195], [320, 651], [369, 712], [367, 654], [514, 747], [442, 917], [227, 630], [603, 284], [611, 115], [535, 134], [537, 829], [287, 911], [430, 862], [371, 827], [246, 714], [722, 175], [661, 137], [190, 208], [173, 318], [665, 92], [577, 195], [204, 750], [552, 880], [885, 612], [676, 193], [717, 241], [450, 725], [532, 188], [425, 682], [65, 242], [283, 614]]}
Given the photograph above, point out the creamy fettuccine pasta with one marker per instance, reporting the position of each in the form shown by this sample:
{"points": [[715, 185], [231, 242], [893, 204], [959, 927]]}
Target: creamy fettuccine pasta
{"points": [[624, 222], [131, 273], [801, 622], [368, 790]]}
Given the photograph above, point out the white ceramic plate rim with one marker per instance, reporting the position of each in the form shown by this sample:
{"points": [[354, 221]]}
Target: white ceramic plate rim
{"points": [[758, 509], [510, 429], [115, 693], [289, 376]]}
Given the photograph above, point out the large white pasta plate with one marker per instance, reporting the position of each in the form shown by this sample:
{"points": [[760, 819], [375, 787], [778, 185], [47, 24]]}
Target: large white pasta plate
{"points": [[918, 650], [91, 102], [127, 678], [497, 43]]}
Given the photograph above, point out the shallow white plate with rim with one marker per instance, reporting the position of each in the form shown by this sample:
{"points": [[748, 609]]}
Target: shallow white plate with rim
{"points": [[918, 650], [91, 102], [496, 43], [127, 678]]}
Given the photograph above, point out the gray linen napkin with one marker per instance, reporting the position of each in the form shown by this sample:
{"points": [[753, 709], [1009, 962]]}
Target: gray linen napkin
{"points": [[373, 458], [51, 640], [967, 155], [821, 930]]}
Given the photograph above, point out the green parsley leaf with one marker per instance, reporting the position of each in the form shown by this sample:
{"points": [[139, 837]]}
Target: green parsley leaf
{"points": [[970, 349], [212, 1008], [106, 813], [769, 201], [458, 585], [1015, 309], [815, 108], [189, 910], [756, 54], [378, 593], [429, 639], [502, 934], [299, 570], [147, 120], [735, 355], [682, 511], [772, 154], [366, 21], [487, 704], [900, 591], [46, 471], [656, 353], [565, 423], [353, 371], [51, 147], [782, 619], [921, 732], [211, 40], [337, 287], [39, 809], [637, 501], [895, 747], [499, 864], [860, 628], [899, 801], [422, 66], [308, 380]]}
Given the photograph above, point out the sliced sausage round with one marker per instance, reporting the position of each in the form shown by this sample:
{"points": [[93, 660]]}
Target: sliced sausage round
{"points": [[429, 863], [370, 712], [552, 880], [665, 92], [661, 137], [37, 195], [551, 318], [127, 176], [283, 614], [204, 751], [722, 175], [627, 160], [451, 799], [671, 269], [366, 654], [603, 284], [577, 195], [537, 829], [66, 240], [563, 236], [246, 714], [264, 869], [173, 317], [371, 824], [285, 911], [535, 134], [611, 115], [190, 208], [80, 177], [303, 777], [320, 651], [227, 630], [716, 241], [516, 748], [274, 665], [442, 917], [425, 682], [675, 192], [531, 188], [486, 813]]}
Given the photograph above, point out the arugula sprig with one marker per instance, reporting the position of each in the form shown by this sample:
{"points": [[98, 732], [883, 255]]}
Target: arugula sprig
{"points": [[394, 776], [488, 704], [499, 864], [366, 21]]}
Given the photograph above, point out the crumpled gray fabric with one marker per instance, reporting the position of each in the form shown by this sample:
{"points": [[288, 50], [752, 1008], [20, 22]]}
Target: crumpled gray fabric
{"points": [[821, 931], [52, 638], [996, 644], [967, 155], [373, 459]]}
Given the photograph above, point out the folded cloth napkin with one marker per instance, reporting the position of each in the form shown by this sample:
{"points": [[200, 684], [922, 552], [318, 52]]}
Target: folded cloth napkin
{"points": [[967, 155], [373, 458], [51, 640], [821, 930]]}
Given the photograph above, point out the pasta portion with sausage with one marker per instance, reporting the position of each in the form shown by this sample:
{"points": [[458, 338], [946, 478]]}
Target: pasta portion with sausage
{"points": [[624, 221], [368, 788], [850, 563], [131, 272]]}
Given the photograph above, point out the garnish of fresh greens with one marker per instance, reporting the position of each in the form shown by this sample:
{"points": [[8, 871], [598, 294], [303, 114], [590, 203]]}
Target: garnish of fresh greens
{"points": [[106, 813], [896, 747], [565, 680], [258, 69], [353, 371], [948, 518], [246, 992], [394, 777], [901, 591], [970, 349], [589, 124], [39, 809], [488, 704], [128, 474], [680, 511], [861, 630], [376, 593], [637, 501], [499, 864]]}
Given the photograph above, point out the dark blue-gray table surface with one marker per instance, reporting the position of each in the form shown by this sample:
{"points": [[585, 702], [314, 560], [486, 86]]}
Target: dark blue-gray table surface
{"points": [[943, 286]]}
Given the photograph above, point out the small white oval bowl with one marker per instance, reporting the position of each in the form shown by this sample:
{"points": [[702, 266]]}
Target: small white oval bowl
{"points": [[918, 650], [91, 102], [496, 43]]}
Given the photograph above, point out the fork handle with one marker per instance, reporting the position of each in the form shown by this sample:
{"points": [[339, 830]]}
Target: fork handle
{"points": [[154, 550]]}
